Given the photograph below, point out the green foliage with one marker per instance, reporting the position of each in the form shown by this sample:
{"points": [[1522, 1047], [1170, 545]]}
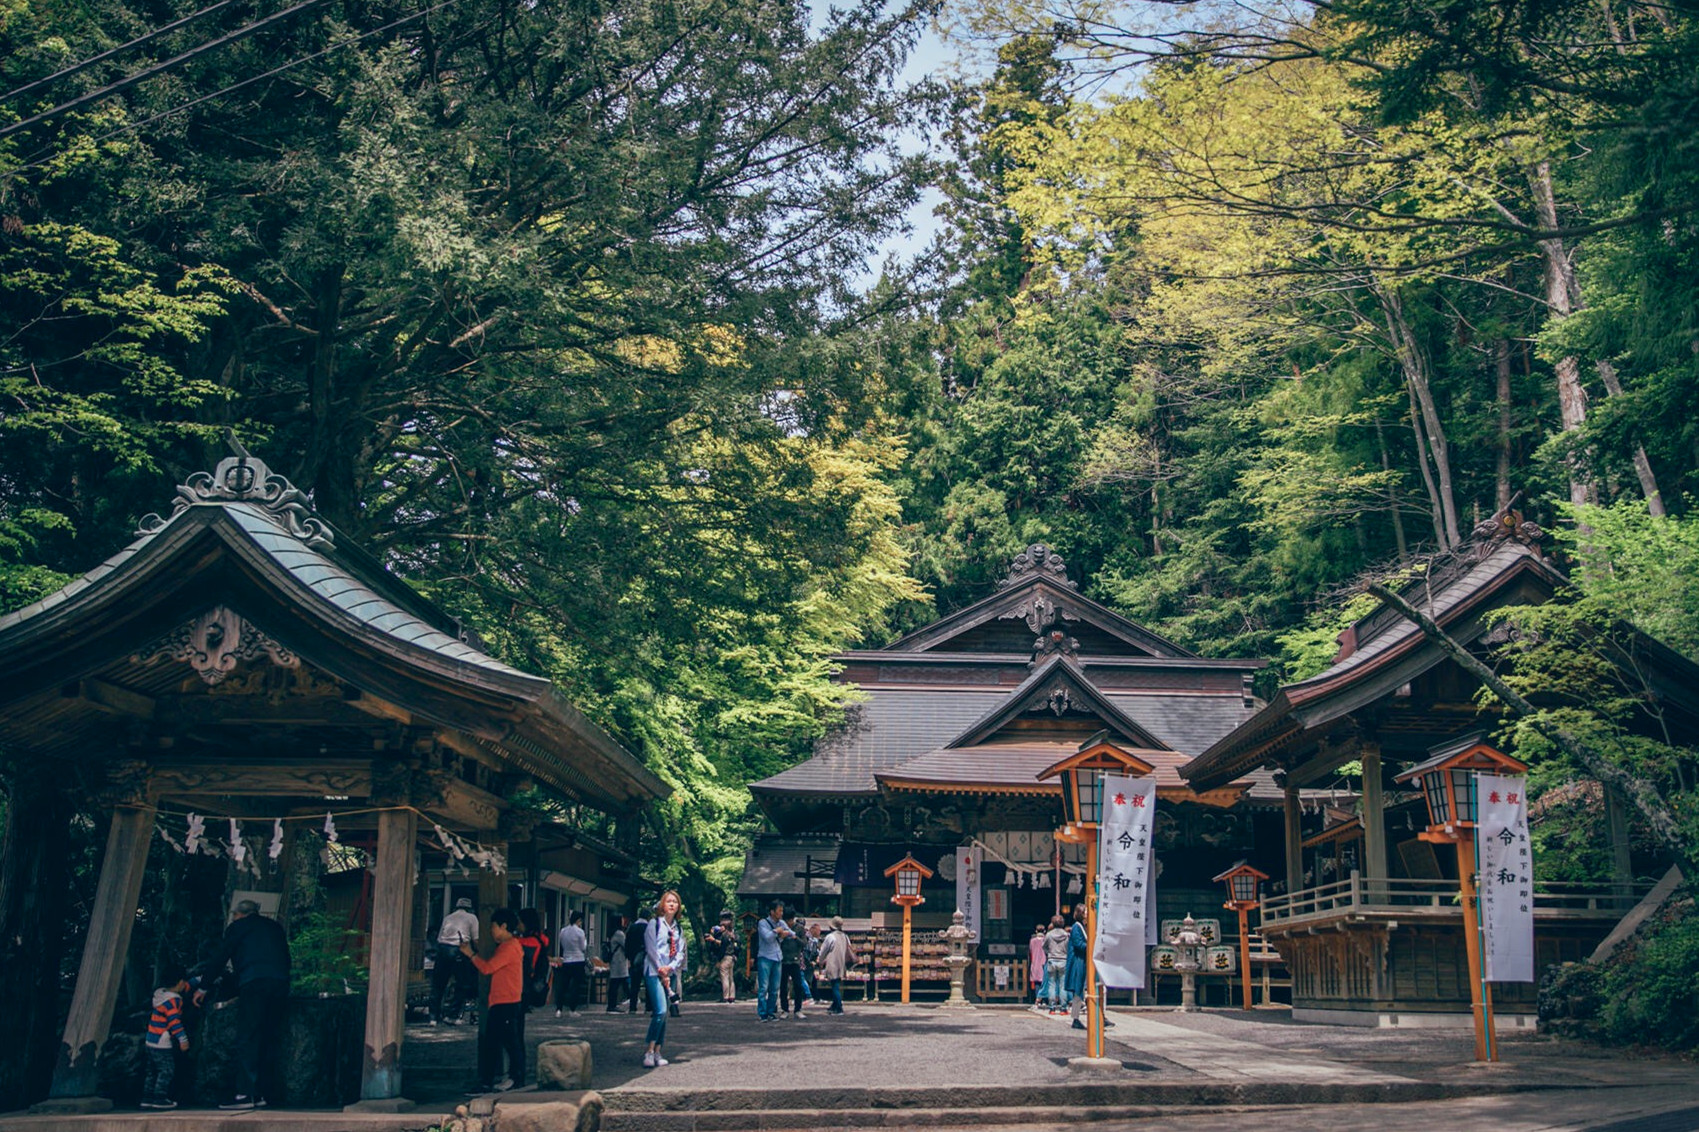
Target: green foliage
{"points": [[325, 954], [1646, 993]]}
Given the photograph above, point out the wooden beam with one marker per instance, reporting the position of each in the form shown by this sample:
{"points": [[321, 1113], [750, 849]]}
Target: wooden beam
{"points": [[386, 992], [105, 949], [465, 805], [111, 698], [319, 778], [378, 707], [213, 709]]}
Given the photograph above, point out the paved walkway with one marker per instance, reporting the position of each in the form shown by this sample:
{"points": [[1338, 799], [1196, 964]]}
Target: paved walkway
{"points": [[913, 1066]]}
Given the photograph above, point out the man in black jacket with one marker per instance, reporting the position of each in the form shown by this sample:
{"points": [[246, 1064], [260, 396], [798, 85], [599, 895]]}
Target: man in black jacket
{"points": [[255, 948]]}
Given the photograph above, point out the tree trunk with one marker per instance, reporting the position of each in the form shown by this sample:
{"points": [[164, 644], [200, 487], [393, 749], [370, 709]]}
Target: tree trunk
{"points": [[1415, 365], [1563, 297], [1392, 495], [1501, 496], [329, 463], [1642, 466], [34, 884]]}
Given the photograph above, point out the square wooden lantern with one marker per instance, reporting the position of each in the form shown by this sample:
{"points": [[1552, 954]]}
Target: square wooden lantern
{"points": [[909, 873], [1082, 778], [1447, 782], [1242, 883]]}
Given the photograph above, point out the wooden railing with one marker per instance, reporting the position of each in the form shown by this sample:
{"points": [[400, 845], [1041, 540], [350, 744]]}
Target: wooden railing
{"points": [[1357, 894]]}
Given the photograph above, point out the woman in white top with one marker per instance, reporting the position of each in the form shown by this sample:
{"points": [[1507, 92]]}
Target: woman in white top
{"points": [[569, 987], [665, 946]]}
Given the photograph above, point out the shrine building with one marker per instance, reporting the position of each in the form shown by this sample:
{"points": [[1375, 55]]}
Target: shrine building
{"points": [[1371, 931], [243, 661], [944, 752]]}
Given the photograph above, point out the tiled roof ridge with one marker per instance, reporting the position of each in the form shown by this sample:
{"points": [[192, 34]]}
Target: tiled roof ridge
{"points": [[1506, 529], [245, 478]]}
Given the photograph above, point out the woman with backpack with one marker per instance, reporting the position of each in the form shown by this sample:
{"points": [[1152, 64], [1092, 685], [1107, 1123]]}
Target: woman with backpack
{"points": [[665, 959]]}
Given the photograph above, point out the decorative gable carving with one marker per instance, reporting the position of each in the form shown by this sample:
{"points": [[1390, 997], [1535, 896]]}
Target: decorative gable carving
{"points": [[214, 643], [247, 479], [1037, 559]]}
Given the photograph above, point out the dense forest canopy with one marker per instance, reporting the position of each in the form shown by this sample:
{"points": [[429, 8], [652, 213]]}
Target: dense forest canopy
{"points": [[546, 304]]}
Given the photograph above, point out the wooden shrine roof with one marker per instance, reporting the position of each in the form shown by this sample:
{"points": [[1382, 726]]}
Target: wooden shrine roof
{"points": [[243, 575], [959, 685], [1382, 654]]}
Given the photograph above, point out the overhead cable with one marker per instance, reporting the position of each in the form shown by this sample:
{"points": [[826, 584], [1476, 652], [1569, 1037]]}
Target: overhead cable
{"points": [[149, 37], [279, 69], [129, 81]]}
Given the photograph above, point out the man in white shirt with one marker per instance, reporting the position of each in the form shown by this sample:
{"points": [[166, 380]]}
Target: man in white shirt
{"points": [[458, 927], [569, 986]]}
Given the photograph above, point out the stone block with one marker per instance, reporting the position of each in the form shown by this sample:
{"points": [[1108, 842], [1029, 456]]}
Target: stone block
{"points": [[564, 1064], [581, 1115]]}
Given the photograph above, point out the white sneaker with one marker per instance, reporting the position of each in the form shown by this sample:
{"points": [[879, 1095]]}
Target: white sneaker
{"points": [[660, 1061], [649, 1059], [557, 1014], [800, 1014], [502, 1085]]}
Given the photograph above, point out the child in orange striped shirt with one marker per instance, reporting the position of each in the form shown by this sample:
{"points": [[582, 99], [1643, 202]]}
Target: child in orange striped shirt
{"points": [[165, 1030]]}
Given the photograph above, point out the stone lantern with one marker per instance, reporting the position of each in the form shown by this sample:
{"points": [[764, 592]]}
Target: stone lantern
{"points": [[1188, 944], [959, 940]]}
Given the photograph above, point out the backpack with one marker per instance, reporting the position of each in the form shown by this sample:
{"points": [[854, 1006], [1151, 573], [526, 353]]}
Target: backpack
{"points": [[634, 941]]}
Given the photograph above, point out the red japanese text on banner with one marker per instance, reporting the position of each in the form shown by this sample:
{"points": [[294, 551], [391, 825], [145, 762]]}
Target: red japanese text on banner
{"points": [[1507, 879], [1126, 871]]}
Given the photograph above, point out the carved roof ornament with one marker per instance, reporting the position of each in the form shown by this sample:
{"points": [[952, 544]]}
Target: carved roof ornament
{"points": [[245, 478], [213, 643], [1037, 559], [1059, 699], [1051, 643], [1507, 525]]}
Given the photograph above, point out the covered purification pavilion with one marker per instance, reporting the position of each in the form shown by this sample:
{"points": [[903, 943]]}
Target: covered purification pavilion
{"points": [[1370, 927], [241, 659]]}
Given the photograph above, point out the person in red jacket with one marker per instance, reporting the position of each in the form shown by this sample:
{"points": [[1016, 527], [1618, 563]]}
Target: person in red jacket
{"points": [[506, 969]]}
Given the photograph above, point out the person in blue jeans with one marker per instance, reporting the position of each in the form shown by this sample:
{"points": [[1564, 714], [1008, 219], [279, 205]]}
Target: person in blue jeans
{"points": [[769, 930], [665, 947]]}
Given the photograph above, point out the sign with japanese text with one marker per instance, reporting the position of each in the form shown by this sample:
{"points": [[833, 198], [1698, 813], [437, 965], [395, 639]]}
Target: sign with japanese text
{"points": [[969, 865], [1506, 864], [1126, 880]]}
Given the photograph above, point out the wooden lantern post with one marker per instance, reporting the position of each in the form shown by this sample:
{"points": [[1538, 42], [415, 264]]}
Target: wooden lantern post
{"points": [[1242, 884], [909, 873], [1447, 781], [1082, 803]]}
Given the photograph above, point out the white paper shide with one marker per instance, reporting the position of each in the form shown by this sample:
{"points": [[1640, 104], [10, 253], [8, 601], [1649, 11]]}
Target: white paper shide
{"points": [[1507, 879], [1126, 893]]}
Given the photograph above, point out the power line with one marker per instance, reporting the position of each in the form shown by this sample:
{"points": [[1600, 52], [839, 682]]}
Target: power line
{"points": [[149, 37], [337, 46], [129, 81]]}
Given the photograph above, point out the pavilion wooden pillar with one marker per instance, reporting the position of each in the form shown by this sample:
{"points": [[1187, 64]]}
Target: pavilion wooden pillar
{"points": [[77, 1074], [386, 994], [1374, 819], [1294, 842]]}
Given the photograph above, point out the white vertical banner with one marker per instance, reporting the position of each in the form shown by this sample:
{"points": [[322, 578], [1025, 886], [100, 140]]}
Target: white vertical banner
{"points": [[1507, 878], [1126, 869], [970, 860]]}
